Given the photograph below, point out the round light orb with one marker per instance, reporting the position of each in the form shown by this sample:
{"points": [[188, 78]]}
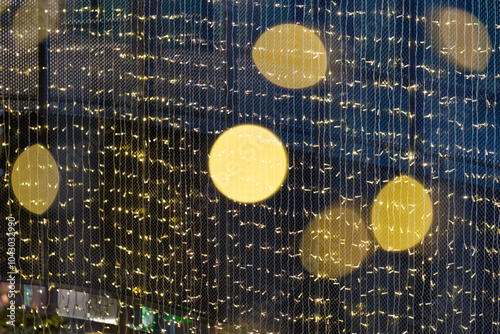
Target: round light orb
{"points": [[4, 4], [461, 37], [401, 214], [35, 179], [290, 56], [33, 22], [335, 243], [248, 163]]}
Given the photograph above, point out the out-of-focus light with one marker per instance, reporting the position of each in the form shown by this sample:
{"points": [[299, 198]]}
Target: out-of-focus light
{"points": [[248, 163], [3, 5], [335, 243], [290, 56], [462, 37], [32, 22], [35, 179], [401, 214]]}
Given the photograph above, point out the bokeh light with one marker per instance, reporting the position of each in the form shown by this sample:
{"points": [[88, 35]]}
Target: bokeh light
{"points": [[35, 179], [290, 56], [401, 214], [335, 243], [3, 5], [131, 97], [33, 23], [462, 37], [248, 163]]}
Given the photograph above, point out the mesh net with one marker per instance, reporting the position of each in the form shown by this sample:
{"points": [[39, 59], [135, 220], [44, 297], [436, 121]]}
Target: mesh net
{"points": [[130, 97]]}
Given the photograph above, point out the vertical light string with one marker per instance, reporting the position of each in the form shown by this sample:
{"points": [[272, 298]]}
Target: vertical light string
{"points": [[399, 133]]}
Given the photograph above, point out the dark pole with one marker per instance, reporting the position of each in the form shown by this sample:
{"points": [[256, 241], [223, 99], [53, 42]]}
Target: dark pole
{"points": [[412, 85], [41, 118]]}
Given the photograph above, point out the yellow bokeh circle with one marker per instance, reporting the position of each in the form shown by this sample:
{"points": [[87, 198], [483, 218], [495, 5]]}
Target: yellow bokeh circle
{"points": [[401, 214], [35, 179], [3, 5], [290, 56], [335, 243], [33, 22], [462, 37], [248, 163]]}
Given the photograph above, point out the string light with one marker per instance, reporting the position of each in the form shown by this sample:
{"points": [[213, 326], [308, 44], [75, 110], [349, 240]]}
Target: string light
{"points": [[311, 216]]}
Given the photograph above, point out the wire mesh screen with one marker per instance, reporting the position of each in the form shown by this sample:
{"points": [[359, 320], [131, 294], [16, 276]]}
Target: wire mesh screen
{"points": [[254, 166]]}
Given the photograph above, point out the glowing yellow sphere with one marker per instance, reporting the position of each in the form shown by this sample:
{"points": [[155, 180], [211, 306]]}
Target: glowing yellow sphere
{"points": [[335, 243], [248, 163], [462, 37], [35, 179], [401, 214], [290, 56], [33, 23], [4, 4]]}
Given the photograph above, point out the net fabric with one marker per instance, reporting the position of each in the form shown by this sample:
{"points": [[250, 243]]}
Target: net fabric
{"points": [[136, 93]]}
